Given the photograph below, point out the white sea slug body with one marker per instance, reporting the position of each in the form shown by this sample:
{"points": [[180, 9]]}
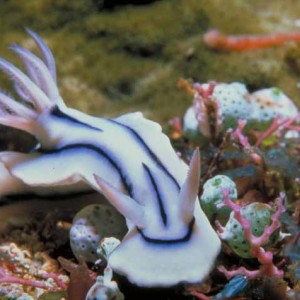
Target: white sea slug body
{"points": [[128, 159]]}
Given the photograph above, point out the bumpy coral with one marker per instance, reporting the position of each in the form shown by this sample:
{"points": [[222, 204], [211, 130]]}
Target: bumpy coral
{"points": [[92, 224], [27, 276], [9, 292]]}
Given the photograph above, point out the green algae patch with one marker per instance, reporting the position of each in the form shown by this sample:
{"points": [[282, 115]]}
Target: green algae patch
{"points": [[118, 58]]}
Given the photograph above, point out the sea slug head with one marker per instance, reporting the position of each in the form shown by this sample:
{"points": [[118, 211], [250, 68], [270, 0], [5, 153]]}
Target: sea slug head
{"points": [[36, 86], [159, 254]]}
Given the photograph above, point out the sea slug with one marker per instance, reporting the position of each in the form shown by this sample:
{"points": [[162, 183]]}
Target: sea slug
{"points": [[128, 159]]}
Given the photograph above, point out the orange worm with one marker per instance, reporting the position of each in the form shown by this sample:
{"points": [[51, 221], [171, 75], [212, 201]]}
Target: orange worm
{"points": [[216, 40]]}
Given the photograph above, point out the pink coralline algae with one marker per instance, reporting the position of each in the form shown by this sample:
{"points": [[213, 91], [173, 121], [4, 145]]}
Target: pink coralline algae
{"points": [[265, 257]]}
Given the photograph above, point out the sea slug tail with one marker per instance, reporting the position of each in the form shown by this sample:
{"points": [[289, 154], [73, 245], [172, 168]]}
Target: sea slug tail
{"points": [[15, 114]]}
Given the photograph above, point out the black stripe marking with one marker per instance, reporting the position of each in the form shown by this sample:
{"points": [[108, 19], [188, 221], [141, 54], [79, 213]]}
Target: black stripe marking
{"points": [[97, 149], [158, 195], [150, 152], [184, 239], [58, 113]]}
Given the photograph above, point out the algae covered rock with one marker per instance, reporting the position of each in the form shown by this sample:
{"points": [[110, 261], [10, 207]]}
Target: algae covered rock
{"points": [[212, 196], [259, 214]]}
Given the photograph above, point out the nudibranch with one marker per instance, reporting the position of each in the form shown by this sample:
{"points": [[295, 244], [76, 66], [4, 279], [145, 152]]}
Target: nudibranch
{"points": [[128, 159]]}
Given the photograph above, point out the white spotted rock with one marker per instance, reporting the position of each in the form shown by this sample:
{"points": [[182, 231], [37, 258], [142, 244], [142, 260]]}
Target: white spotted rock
{"points": [[212, 196], [90, 226], [267, 104], [233, 103], [259, 215]]}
